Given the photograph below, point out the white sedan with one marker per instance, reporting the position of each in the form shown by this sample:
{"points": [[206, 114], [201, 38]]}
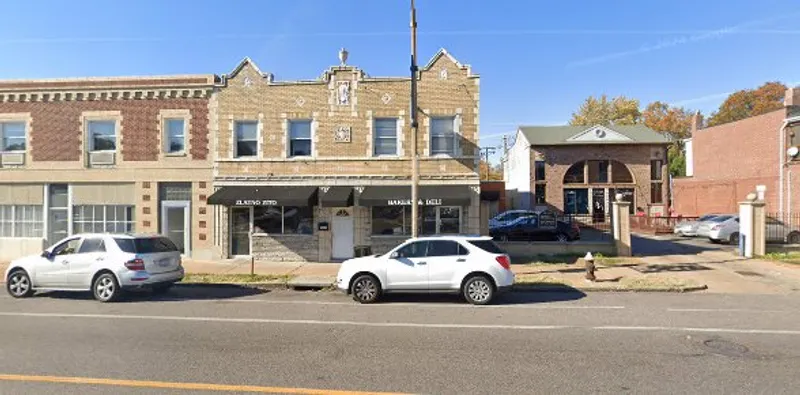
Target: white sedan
{"points": [[102, 263], [471, 265]]}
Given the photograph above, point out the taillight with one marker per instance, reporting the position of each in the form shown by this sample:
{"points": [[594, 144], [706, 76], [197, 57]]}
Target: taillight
{"points": [[504, 261], [135, 264]]}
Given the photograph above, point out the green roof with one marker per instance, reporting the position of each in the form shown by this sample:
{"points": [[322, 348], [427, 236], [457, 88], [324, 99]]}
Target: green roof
{"points": [[582, 135]]}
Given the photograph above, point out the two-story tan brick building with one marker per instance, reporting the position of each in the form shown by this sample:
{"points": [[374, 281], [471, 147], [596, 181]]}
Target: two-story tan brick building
{"points": [[578, 169], [310, 170], [105, 155]]}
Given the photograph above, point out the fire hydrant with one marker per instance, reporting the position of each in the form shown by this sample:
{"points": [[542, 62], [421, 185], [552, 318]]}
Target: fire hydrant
{"points": [[589, 261]]}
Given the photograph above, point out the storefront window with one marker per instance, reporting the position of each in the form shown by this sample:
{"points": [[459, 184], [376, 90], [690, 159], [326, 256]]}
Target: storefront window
{"points": [[395, 220], [285, 220], [576, 201], [391, 220], [103, 219], [21, 221]]}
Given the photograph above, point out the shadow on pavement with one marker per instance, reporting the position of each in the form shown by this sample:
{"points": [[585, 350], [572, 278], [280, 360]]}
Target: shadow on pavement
{"points": [[650, 246], [176, 294], [549, 293]]}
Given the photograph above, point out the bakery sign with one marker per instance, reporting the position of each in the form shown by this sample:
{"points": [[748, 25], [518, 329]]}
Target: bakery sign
{"points": [[341, 134], [256, 202], [420, 202]]}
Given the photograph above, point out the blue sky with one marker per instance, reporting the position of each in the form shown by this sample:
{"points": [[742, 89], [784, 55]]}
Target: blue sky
{"points": [[537, 59]]}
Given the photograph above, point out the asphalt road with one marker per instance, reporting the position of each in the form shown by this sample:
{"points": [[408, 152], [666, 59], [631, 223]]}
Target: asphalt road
{"points": [[196, 338]]}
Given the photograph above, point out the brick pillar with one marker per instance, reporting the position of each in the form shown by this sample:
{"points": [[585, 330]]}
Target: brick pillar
{"points": [[621, 226]]}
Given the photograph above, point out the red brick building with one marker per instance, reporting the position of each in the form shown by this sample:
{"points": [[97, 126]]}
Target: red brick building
{"points": [[731, 160]]}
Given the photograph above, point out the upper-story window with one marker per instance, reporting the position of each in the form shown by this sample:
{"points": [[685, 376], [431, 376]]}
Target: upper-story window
{"points": [[299, 138], [102, 135], [598, 171], [656, 177], [385, 132], [443, 136], [539, 170], [246, 135], [12, 136], [175, 135]]}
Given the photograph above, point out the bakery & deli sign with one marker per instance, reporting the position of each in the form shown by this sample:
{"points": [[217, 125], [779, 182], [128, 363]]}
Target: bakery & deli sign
{"points": [[420, 202], [256, 202]]}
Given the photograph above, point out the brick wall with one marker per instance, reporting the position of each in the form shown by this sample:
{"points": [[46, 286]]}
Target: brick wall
{"points": [[56, 132], [730, 160], [249, 96], [738, 150], [558, 159]]}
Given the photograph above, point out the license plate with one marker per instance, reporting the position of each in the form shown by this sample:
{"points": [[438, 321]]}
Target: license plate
{"points": [[163, 262]]}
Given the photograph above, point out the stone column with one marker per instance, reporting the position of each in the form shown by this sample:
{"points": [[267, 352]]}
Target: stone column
{"points": [[621, 226], [752, 227]]}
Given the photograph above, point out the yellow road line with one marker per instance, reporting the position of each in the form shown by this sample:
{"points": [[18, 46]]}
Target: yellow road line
{"points": [[180, 386]]}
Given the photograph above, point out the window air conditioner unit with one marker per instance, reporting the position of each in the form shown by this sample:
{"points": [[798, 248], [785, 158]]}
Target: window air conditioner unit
{"points": [[102, 158], [12, 159]]}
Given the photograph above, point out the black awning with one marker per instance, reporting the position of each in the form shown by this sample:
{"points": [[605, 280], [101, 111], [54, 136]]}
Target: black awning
{"points": [[262, 195], [490, 195], [429, 195], [337, 197]]}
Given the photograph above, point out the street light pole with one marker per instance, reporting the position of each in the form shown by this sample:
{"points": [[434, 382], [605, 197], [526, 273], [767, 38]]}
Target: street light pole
{"points": [[414, 127]]}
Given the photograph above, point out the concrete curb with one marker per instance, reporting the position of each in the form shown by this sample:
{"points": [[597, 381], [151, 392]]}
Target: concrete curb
{"points": [[515, 288], [568, 288]]}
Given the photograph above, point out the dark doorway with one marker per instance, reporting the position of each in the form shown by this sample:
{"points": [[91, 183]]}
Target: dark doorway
{"points": [[599, 205]]}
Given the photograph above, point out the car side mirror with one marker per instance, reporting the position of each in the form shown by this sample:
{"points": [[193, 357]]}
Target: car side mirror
{"points": [[394, 255], [45, 254]]}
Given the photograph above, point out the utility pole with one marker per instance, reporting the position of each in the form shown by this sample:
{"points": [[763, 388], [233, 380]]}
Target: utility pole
{"points": [[486, 152], [414, 127]]}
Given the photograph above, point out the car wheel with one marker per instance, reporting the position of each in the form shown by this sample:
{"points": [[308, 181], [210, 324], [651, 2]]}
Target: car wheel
{"points": [[106, 288], [161, 289], [478, 290], [794, 238], [734, 239], [19, 284], [366, 289], [562, 238]]}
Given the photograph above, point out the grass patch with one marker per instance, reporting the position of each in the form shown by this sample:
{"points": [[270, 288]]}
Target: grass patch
{"points": [[539, 279], [656, 284], [601, 259], [207, 278], [788, 257]]}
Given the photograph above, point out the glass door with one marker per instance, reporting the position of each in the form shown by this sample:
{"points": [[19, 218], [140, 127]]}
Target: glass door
{"points": [[58, 215], [175, 224], [240, 231]]}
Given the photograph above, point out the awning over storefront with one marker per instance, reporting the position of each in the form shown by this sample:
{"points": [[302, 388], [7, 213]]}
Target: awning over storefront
{"points": [[429, 195], [336, 196], [262, 195]]}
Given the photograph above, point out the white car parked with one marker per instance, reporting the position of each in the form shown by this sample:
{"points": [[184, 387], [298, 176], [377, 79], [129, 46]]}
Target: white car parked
{"points": [[102, 263], [471, 265]]}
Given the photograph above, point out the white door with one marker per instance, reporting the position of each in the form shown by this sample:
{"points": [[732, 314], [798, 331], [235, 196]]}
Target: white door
{"points": [[342, 230], [444, 258], [176, 225], [53, 271]]}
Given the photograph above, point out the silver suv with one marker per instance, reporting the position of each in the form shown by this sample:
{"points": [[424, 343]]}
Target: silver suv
{"points": [[104, 264]]}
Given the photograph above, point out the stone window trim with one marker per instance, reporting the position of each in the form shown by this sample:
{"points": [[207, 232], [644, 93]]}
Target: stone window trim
{"points": [[24, 117], [458, 119], [163, 116], [399, 116], [115, 116], [286, 118], [232, 120]]}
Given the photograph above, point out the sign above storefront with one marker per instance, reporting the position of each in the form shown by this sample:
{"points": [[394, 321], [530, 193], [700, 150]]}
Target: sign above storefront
{"points": [[256, 203], [420, 202]]}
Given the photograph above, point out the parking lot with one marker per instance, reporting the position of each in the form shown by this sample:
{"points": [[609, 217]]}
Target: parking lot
{"points": [[655, 245]]}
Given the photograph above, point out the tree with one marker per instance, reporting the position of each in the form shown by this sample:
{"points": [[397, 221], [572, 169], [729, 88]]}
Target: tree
{"points": [[677, 123], [602, 111], [748, 103], [489, 172]]}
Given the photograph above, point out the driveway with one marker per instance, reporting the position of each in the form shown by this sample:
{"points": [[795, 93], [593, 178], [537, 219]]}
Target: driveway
{"points": [[659, 245]]}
